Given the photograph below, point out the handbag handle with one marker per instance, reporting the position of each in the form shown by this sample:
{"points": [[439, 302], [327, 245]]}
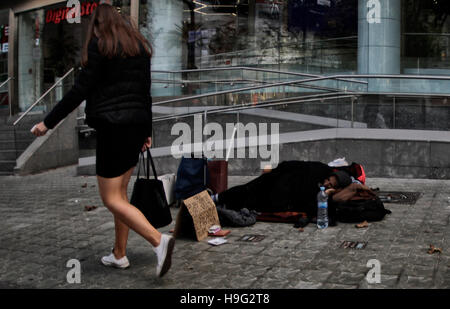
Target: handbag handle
{"points": [[149, 158], [141, 158], [147, 166]]}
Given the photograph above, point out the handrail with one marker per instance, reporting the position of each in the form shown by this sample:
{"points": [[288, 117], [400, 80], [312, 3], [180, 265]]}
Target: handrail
{"points": [[245, 89], [6, 81], [281, 101], [248, 69], [336, 77], [270, 103], [284, 101], [237, 81], [3, 84], [42, 96]]}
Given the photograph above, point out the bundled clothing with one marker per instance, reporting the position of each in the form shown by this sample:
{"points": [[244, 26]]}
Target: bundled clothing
{"points": [[292, 186]]}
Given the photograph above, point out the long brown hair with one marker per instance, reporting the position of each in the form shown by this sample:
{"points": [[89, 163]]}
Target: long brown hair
{"points": [[117, 35]]}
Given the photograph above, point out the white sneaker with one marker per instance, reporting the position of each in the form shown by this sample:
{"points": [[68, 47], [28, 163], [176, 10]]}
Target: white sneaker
{"points": [[110, 260], [164, 254]]}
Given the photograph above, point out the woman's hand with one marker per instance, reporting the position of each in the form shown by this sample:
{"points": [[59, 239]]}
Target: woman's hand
{"points": [[39, 129], [147, 144]]}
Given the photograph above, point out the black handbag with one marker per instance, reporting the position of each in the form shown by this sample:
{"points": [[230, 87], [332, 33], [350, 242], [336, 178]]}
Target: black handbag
{"points": [[149, 196]]}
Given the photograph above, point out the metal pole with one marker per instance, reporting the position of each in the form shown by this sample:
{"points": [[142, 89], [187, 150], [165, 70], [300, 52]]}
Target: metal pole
{"points": [[393, 112], [352, 110]]}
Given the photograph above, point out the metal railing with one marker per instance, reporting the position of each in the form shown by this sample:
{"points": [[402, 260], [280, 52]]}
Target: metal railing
{"points": [[341, 77], [5, 83], [22, 135], [269, 103], [270, 85], [243, 68], [333, 94], [57, 83]]}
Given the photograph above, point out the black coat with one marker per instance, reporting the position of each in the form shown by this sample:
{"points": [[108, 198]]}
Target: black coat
{"points": [[116, 90], [292, 186]]}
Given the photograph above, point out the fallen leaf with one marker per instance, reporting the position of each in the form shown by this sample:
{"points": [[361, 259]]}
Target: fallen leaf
{"points": [[362, 225], [84, 186], [89, 208], [433, 249], [301, 230]]}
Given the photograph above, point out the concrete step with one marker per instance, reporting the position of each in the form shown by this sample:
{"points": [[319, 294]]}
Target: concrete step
{"points": [[8, 135], [8, 155], [6, 173], [11, 145], [7, 166]]}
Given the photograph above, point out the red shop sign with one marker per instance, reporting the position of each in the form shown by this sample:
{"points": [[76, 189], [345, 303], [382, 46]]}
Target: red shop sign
{"points": [[57, 15]]}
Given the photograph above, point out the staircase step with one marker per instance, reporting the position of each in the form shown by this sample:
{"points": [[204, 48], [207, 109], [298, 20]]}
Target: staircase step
{"points": [[7, 155], [7, 165], [6, 135], [6, 173], [11, 145]]}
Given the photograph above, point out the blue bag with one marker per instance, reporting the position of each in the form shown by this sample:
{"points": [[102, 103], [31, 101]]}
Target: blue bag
{"points": [[192, 177]]}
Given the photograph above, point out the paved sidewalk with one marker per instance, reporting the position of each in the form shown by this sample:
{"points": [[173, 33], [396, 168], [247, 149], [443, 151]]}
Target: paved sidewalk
{"points": [[44, 225]]}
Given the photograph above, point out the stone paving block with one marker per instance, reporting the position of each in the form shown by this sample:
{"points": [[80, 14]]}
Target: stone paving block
{"points": [[283, 273], [414, 282], [269, 283], [304, 285], [348, 278], [353, 267], [315, 275], [324, 264], [294, 262], [338, 286]]}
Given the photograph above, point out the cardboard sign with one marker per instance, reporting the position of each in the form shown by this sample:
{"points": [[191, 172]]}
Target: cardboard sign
{"points": [[197, 214]]}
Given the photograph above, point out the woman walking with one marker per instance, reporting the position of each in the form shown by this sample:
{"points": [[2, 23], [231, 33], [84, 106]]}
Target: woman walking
{"points": [[115, 82]]}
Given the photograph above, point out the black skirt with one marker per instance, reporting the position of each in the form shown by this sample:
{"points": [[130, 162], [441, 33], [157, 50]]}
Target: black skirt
{"points": [[118, 149]]}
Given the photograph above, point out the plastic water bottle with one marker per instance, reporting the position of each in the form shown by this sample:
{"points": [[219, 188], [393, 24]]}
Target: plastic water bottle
{"points": [[322, 209]]}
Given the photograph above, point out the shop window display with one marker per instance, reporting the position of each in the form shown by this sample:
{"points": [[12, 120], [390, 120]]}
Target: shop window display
{"points": [[271, 33], [426, 37], [49, 46]]}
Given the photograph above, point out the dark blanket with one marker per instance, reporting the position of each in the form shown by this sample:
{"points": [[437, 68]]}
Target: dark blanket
{"points": [[292, 186]]}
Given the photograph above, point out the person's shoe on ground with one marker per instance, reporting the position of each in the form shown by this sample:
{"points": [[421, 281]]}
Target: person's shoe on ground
{"points": [[110, 260], [164, 254]]}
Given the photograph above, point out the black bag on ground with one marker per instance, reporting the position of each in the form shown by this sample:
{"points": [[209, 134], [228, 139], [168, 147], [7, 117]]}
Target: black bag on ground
{"points": [[149, 196], [359, 210]]}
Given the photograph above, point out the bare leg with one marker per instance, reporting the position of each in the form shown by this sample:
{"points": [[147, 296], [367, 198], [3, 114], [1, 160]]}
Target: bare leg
{"points": [[111, 193], [121, 233], [121, 229]]}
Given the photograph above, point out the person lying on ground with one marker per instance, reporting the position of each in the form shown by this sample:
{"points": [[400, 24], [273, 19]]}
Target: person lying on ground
{"points": [[291, 186]]}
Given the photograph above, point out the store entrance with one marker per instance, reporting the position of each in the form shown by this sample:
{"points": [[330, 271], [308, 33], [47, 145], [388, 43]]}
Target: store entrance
{"points": [[48, 47]]}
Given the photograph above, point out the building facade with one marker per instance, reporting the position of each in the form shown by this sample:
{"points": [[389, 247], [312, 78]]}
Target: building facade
{"points": [[39, 44]]}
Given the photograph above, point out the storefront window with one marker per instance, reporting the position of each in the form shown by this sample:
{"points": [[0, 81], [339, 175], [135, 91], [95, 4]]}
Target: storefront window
{"points": [[49, 46], [426, 37], [306, 35]]}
